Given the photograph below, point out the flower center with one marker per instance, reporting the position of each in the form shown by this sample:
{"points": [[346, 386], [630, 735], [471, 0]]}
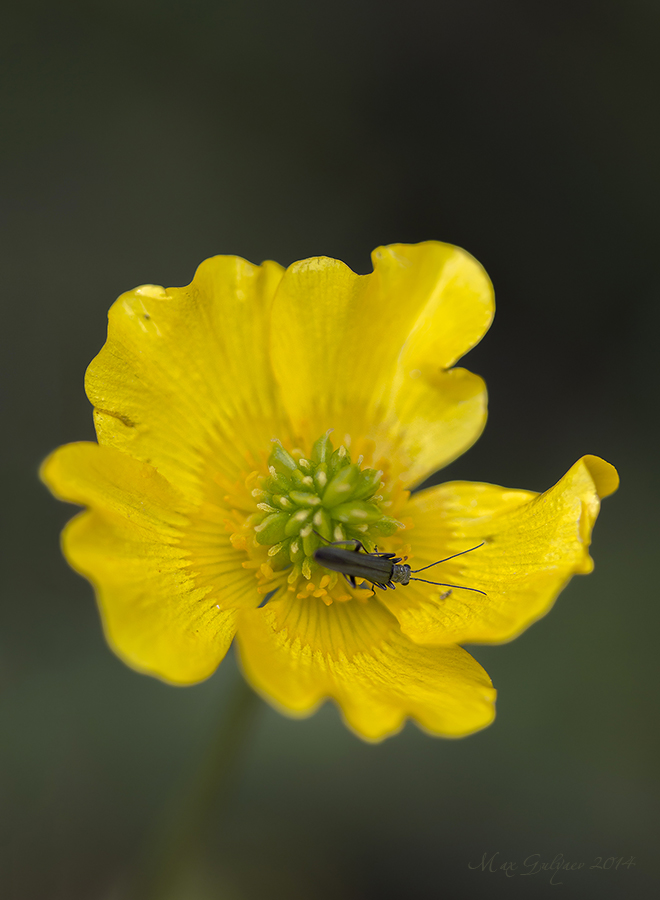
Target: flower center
{"points": [[303, 503]]}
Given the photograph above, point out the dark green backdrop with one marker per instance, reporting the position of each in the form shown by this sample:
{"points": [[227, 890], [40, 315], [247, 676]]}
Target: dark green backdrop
{"points": [[143, 136]]}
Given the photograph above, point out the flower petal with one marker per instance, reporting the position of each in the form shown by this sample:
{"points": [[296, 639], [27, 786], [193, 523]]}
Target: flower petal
{"points": [[131, 546], [185, 375], [364, 354], [434, 418], [299, 652], [534, 544]]}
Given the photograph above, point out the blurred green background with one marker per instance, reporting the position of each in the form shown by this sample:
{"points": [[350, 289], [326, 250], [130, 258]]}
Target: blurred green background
{"points": [[144, 136]]}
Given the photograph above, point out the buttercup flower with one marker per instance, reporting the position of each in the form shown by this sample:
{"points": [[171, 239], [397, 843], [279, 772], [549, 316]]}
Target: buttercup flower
{"points": [[243, 419]]}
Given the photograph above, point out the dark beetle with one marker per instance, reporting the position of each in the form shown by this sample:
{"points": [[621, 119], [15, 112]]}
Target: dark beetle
{"points": [[384, 570]]}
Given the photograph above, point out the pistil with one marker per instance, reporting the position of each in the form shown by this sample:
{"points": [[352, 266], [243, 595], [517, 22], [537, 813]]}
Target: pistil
{"points": [[303, 502]]}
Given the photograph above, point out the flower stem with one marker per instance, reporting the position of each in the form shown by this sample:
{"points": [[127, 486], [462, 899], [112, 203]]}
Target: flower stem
{"points": [[178, 845]]}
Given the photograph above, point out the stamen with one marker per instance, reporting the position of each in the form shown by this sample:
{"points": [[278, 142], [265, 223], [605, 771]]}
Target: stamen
{"points": [[305, 497]]}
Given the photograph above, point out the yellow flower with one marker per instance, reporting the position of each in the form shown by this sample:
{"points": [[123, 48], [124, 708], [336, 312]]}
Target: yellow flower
{"points": [[241, 417]]}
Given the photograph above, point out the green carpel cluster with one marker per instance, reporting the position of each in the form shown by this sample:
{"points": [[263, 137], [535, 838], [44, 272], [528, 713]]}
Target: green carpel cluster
{"points": [[326, 495]]}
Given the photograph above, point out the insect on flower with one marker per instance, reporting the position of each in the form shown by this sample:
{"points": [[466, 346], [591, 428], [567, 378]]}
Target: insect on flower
{"points": [[383, 570], [214, 405]]}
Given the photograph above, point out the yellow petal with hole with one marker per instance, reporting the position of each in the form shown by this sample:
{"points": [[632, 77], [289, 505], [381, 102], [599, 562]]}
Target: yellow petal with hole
{"points": [[185, 374], [534, 544], [137, 547], [364, 354], [297, 653]]}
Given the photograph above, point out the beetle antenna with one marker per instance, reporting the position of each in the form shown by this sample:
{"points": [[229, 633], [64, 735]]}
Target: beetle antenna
{"points": [[447, 560], [459, 586], [321, 536]]}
